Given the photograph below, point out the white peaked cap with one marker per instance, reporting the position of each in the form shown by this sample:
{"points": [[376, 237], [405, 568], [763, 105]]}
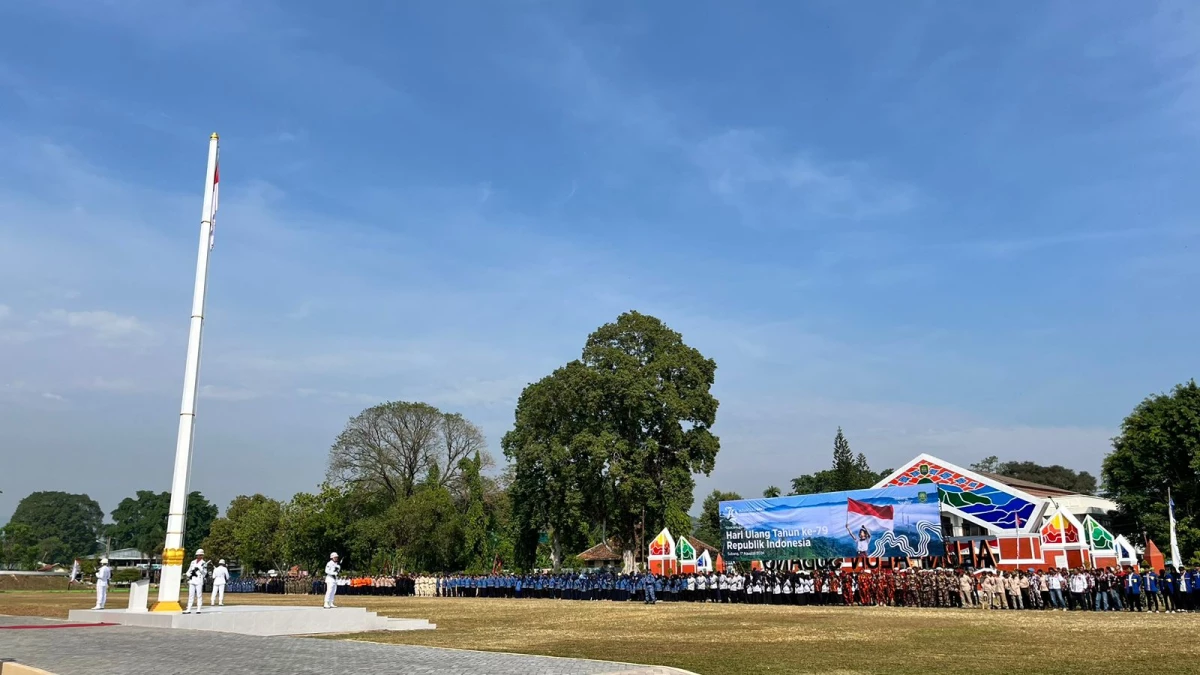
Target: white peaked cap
{"points": [[333, 555], [104, 561], [221, 561], [199, 551]]}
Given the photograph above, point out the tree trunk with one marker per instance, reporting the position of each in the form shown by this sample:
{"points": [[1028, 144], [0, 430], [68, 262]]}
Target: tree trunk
{"points": [[630, 561], [555, 552]]}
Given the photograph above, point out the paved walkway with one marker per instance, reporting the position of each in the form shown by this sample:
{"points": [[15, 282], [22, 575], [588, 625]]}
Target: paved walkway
{"points": [[126, 650]]}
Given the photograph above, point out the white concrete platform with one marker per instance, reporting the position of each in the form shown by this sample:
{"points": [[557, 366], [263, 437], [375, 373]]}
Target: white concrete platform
{"points": [[263, 620]]}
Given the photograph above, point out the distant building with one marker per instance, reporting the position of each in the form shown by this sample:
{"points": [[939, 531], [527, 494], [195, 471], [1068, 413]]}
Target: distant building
{"points": [[125, 557], [607, 555], [991, 520]]}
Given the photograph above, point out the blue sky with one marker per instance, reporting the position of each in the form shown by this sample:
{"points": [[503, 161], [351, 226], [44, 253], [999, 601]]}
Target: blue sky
{"points": [[961, 229]]}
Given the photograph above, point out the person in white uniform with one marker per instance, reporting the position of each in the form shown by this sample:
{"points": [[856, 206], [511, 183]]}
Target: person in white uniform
{"points": [[220, 576], [332, 568], [102, 576], [195, 580]]}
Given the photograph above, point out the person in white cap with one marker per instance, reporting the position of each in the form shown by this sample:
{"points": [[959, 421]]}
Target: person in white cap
{"points": [[332, 568], [102, 576], [220, 576], [195, 579]]}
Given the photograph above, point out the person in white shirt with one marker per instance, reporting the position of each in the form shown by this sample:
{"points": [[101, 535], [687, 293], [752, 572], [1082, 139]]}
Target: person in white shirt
{"points": [[332, 568], [102, 576], [220, 576], [195, 580]]}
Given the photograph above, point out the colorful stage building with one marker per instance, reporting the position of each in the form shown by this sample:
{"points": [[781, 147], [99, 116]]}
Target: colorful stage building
{"points": [[1006, 523]]}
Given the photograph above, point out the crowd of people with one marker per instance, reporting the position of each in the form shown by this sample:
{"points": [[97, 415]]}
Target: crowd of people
{"points": [[1112, 589], [382, 584]]}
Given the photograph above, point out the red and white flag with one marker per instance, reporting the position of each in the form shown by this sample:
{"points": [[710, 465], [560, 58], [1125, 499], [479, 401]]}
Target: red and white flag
{"points": [[875, 518], [212, 214]]}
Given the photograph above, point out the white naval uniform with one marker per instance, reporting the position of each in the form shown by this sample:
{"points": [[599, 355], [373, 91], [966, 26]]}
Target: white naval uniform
{"points": [[102, 576], [220, 576], [195, 580], [331, 572]]}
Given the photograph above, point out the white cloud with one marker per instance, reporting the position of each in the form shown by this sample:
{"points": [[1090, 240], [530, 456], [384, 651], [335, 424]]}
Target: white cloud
{"points": [[5, 312], [106, 327], [53, 397], [765, 185]]}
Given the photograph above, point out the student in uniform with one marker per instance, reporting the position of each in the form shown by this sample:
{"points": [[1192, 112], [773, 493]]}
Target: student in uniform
{"points": [[102, 577], [1151, 591], [1133, 586], [220, 576]]}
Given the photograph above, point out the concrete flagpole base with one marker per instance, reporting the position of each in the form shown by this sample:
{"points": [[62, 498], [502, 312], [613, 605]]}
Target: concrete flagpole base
{"points": [[261, 620]]}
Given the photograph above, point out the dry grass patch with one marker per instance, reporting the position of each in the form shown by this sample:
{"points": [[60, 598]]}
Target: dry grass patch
{"points": [[749, 640]]}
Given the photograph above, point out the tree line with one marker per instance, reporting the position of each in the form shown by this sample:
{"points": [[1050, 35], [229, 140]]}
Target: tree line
{"points": [[604, 448]]}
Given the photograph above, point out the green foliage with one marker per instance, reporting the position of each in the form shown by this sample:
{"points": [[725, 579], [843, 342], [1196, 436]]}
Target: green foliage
{"points": [[74, 520], [614, 438], [849, 472], [18, 547], [141, 521], [771, 492], [475, 522], [1158, 448], [250, 532], [1054, 475], [709, 528], [126, 575]]}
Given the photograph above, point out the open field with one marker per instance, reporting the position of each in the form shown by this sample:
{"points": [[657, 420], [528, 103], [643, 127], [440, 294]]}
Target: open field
{"points": [[711, 639]]}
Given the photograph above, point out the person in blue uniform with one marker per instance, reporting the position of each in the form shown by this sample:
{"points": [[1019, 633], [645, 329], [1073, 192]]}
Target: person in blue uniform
{"points": [[1151, 591], [648, 583], [1133, 588]]}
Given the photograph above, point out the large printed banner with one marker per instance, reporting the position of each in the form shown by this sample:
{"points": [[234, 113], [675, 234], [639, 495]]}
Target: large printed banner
{"points": [[891, 522]]}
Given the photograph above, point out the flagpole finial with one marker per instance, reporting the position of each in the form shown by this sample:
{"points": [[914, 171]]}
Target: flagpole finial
{"points": [[214, 136]]}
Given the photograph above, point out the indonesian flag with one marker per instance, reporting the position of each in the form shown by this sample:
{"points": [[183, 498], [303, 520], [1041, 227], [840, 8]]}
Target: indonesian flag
{"points": [[875, 518], [212, 215]]}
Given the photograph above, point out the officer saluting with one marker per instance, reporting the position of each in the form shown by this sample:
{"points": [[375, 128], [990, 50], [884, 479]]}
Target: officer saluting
{"points": [[332, 569]]}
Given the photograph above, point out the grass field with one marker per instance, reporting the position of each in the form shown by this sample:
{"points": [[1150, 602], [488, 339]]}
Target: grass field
{"points": [[712, 639]]}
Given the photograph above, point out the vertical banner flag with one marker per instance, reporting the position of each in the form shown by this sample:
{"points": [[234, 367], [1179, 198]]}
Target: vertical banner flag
{"points": [[891, 522], [212, 214], [1175, 557]]}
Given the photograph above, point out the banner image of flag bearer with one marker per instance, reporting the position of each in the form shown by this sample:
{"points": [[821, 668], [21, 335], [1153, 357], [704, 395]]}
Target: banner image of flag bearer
{"points": [[865, 520]]}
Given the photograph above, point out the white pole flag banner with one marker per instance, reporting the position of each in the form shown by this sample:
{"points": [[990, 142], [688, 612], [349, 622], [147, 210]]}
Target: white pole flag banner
{"points": [[1175, 557], [212, 215]]}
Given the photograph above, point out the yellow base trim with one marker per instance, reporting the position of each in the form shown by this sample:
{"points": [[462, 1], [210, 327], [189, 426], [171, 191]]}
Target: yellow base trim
{"points": [[167, 607]]}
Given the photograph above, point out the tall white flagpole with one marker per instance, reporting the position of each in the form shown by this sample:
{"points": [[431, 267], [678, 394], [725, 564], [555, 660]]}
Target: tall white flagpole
{"points": [[173, 553]]}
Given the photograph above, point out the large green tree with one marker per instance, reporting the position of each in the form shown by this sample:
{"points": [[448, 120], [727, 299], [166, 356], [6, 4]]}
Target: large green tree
{"points": [[475, 546], [849, 472], [251, 532], [1159, 448], [558, 485], [708, 529], [637, 426], [1054, 475], [74, 519], [141, 521]]}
